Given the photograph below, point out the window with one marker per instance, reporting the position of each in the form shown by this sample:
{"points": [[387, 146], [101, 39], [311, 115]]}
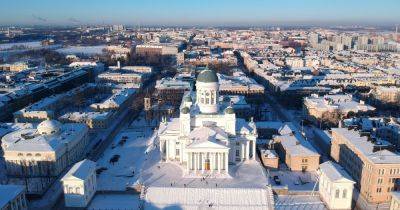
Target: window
{"points": [[380, 180], [304, 160], [337, 192], [177, 152], [381, 171], [378, 190], [237, 143], [237, 153], [344, 193], [77, 190]]}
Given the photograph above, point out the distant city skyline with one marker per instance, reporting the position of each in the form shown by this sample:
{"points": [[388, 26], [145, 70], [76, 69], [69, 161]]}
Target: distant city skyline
{"points": [[199, 12]]}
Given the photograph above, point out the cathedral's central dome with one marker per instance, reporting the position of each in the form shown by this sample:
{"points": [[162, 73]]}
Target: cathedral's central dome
{"points": [[207, 76]]}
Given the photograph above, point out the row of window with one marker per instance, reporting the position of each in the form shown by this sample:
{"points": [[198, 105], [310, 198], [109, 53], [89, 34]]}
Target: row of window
{"points": [[30, 154]]}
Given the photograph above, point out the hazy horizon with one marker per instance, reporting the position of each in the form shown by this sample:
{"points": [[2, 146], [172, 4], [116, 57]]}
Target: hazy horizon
{"points": [[200, 12]]}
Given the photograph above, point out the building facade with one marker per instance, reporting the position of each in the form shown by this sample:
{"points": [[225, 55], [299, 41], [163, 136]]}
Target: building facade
{"points": [[376, 171], [335, 186], [79, 184], [12, 197], [36, 157], [207, 136]]}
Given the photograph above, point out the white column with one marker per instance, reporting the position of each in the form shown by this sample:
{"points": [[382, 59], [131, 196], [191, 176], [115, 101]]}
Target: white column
{"points": [[226, 161], [188, 162], [181, 155], [219, 162], [254, 150], [247, 150], [242, 150], [195, 161]]}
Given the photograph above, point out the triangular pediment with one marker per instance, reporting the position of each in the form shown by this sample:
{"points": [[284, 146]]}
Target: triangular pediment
{"points": [[206, 144]]}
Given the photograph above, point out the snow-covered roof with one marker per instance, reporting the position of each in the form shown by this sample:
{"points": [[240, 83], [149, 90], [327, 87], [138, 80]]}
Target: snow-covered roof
{"points": [[116, 100], [344, 103], [169, 83], [218, 198], [29, 140], [80, 170], [6, 128], [335, 172], [365, 147], [115, 201], [294, 143], [8, 193]]}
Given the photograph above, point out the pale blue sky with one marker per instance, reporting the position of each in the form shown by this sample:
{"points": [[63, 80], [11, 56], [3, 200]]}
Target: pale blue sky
{"points": [[199, 12]]}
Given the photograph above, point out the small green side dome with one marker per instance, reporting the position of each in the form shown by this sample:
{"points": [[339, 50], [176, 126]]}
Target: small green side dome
{"points": [[229, 110], [185, 110], [208, 76], [187, 98]]}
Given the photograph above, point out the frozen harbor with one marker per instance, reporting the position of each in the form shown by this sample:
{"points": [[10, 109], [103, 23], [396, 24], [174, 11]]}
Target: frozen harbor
{"points": [[86, 50]]}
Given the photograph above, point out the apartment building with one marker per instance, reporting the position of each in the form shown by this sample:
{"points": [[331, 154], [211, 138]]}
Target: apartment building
{"points": [[376, 171]]}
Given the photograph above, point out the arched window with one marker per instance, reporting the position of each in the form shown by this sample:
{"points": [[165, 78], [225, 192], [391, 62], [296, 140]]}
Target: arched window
{"points": [[71, 190], [77, 190], [337, 192], [29, 154], [38, 155], [344, 193]]}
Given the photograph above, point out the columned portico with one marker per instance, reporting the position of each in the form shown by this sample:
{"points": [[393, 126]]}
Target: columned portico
{"points": [[207, 136], [207, 162]]}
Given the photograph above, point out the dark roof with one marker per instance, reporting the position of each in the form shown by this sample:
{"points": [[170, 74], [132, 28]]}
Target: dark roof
{"points": [[207, 75]]}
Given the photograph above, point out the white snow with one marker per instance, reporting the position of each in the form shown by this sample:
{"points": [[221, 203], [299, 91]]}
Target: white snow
{"points": [[115, 202], [295, 202], [213, 198], [88, 50], [132, 155]]}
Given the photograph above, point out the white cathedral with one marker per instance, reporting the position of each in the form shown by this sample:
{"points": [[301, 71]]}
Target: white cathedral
{"points": [[207, 136]]}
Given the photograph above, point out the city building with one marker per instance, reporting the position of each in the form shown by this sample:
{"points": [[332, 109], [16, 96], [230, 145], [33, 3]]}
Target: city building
{"points": [[207, 136], [387, 95], [335, 186], [19, 98], [239, 84], [36, 157], [332, 108], [15, 67], [295, 151], [376, 171], [79, 184], [12, 197], [395, 203], [269, 158]]}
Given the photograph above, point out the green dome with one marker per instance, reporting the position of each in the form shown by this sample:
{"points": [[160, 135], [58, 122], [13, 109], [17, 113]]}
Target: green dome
{"points": [[229, 110], [185, 110], [187, 99], [208, 76]]}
